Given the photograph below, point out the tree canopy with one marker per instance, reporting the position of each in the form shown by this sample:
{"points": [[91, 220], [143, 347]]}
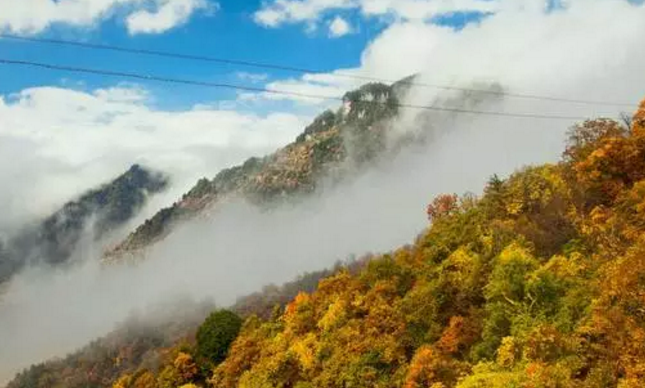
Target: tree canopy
{"points": [[216, 334]]}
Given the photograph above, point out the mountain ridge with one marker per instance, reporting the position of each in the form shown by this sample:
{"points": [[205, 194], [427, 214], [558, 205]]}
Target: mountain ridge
{"points": [[536, 283], [331, 148], [53, 240], [357, 131]]}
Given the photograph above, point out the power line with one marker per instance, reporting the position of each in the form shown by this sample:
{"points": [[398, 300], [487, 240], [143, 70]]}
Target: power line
{"points": [[301, 70], [139, 76]]}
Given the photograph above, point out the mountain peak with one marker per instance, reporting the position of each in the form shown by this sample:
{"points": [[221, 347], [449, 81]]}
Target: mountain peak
{"points": [[106, 208], [333, 138]]}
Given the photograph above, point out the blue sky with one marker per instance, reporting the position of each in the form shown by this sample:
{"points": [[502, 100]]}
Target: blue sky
{"points": [[295, 33], [83, 129], [228, 30], [74, 131]]}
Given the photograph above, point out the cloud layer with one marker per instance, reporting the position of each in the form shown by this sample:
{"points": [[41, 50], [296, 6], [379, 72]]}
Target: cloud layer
{"points": [[277, 12], [241, 249], [58, 142], [510, 45], [156, 16]]}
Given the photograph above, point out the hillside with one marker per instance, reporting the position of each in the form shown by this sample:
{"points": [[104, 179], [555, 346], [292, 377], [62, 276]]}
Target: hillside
{"points": [[102, 210], [538, 283], [335, 144], [364, 139], [146, 343], [139, 341]]}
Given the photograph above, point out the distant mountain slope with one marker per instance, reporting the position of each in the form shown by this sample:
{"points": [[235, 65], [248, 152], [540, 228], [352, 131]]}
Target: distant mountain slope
{"points": [[136, 342], [143, 344], [537, 283], [333, 144], [102, 210]]}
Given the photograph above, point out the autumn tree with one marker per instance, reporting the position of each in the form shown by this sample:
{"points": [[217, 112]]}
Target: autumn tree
{"points": [[442, 206], [638, 122], [538, 283], [584, 138]]}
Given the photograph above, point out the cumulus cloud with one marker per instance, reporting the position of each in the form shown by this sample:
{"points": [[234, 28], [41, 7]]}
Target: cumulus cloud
{"points": [[339, 27], [60, 142], [505, 46], [277, 12], [305, 91], [425, 9], [35, 16], [170, 14]]}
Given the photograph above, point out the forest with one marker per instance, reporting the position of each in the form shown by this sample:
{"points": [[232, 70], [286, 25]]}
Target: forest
{"points": [[538, 282]]}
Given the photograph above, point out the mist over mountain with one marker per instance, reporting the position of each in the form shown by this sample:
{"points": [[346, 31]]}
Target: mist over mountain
{"points": [[427, 232], [92, 217], [332, 148], [514, 270], [360, 173]]}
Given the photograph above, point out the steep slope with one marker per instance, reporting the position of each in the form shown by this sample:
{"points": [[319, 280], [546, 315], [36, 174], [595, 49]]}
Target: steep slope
{"points": [[332, 146], [137, 342], [538, 283], [360, 133], [145, 344], [105, 208]]}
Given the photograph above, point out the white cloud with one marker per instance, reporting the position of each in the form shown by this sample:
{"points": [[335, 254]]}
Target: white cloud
{"points": [[154, 16], [308, 90], [172, 13], [277, 12], [522, 46], [252, 77], [67, 141], [425, 9], [339, 27]]}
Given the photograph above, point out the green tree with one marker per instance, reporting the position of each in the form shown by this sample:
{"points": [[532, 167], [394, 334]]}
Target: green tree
{"points": [[216, 334]]}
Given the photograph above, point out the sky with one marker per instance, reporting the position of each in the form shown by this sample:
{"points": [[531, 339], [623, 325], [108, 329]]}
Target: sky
{"points": [[318, 35], [61, 133], [71, 132], [229, 29]]}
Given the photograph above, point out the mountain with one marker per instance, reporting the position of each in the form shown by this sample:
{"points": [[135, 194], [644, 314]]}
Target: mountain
{"points": [[145, 343], [537, 283], [98, 212], [335, 144], [138, 341]]}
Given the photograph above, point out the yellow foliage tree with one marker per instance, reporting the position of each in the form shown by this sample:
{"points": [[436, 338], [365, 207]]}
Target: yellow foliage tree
{"points": [[639, 119]]}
